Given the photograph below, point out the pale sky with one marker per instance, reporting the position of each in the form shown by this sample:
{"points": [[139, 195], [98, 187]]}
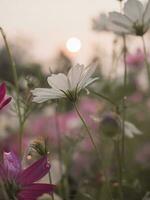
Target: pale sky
{"points": [[49, 23]]}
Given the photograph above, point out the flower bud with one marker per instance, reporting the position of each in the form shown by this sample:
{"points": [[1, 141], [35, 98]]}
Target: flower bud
{"points": [[39, 146], [110, 125]]}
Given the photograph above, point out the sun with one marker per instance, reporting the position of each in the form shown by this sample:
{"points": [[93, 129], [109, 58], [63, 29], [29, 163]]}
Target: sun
{"points": [[73, 44]]}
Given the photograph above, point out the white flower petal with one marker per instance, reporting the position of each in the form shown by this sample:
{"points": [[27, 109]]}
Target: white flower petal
{"points": [[128, 133], [46, 91], [58, 81], [78, 77], [101, 23], [120, 20], [134, 10], [85, 79], [119, 30], [90, 81], [74, 75], [41, 95], [147, 13], [131, 129], [40, 99]]}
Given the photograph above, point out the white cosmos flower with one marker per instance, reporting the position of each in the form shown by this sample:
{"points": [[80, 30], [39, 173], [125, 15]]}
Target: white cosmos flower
{"points": [[115, 122], [101, 23], [135, 19], [78, 78], [131, 130]]}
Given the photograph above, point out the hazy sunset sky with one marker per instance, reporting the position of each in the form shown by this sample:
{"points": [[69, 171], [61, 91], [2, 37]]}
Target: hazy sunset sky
{"points": [[47, 24]]}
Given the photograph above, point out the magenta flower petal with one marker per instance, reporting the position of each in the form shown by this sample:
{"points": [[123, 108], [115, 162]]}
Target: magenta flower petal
{"points": [[5, 102], [20, 183], [2, 91], [34, 172], [33, 191], [11, 164]]}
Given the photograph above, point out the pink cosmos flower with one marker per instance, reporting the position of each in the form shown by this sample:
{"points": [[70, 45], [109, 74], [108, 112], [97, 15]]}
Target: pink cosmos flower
{"points": [[4, 100], [83, 158], [20, 183], [56, 126], [143, 155], [64, 124], [136, 59], [90, 108], [136, 97]]}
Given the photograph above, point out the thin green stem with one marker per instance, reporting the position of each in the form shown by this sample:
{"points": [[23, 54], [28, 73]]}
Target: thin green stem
{"points": [[60, 153], [95, 147], [10, 58], [50, 181], [21, 128], [146, 60], [124, 101], [49, 173], [119, 163], [87, 129], [14, 71], [115, 60]]}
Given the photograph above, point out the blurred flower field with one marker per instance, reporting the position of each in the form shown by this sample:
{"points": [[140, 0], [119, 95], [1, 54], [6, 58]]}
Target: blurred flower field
{"points": [[79, 132]]}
